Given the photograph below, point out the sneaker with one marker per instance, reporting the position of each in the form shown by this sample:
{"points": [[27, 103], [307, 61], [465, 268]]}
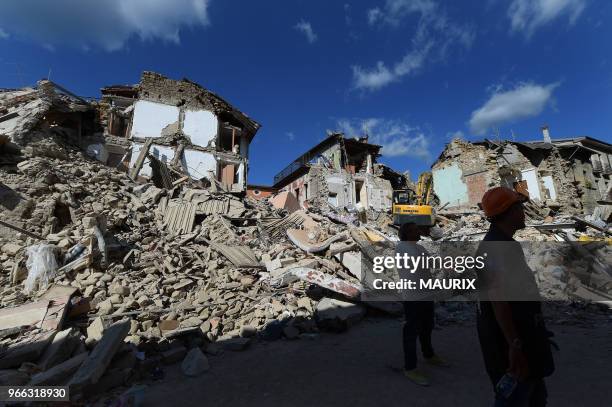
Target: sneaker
{"points": [[417, 377], [436, 360]]}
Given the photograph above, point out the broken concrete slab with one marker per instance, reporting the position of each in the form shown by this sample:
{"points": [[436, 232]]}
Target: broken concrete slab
{"points": [[31, 314], [98, 360], [27, 350], [11, 249], [59, 374], [346, 288], [303, 239], [352, 262], [337, 315], [235, 344], [61, 347], [96, 328], [240, 256]]}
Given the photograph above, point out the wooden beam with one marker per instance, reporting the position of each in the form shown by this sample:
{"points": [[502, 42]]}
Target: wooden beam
{"points": [[20, 230], [133, 174]]}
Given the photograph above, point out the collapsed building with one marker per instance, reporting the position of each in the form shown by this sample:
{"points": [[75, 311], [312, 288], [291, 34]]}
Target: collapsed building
{"points": [[570, 175], [340, 172], [111, 267], [124, 245], [179, 124], [32, 113]]}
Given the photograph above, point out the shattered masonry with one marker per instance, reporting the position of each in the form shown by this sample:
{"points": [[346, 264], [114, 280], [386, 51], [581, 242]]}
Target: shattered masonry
{"points": [[342, 173], [564, 175], [190, 128], [130, 239]]}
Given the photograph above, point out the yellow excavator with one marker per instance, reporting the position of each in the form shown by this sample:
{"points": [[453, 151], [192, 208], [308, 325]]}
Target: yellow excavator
{"points": [[415, 209]]}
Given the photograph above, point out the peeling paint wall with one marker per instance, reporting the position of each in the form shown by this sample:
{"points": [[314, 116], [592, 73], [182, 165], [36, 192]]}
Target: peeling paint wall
{"points": [[449, 185]]}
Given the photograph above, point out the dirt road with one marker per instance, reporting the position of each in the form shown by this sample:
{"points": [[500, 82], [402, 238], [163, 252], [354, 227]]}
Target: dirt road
{"points": [[356, 368]]}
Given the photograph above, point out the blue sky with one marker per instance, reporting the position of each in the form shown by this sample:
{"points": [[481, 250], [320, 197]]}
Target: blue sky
{"points": [[412, 73]]}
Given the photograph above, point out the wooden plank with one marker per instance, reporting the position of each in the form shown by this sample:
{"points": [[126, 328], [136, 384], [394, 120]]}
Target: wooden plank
{"points": [[20, 230], [592, 225], [24, 315], [133, 174]]}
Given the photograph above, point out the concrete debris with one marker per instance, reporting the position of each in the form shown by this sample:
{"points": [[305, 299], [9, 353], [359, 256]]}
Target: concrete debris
{"points": [[565, 176], [310, 241], [337, 315], [240, 256], [285, 200], [61, 347], [98, 360], [163, 254], [59, 374]]}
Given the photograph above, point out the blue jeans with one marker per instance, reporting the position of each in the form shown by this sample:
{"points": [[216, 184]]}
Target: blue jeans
{"points": [[530, 393]]}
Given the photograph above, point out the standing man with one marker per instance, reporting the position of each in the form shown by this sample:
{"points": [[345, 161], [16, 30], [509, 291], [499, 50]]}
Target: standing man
{"points": [[419, 315], [514, 341]]}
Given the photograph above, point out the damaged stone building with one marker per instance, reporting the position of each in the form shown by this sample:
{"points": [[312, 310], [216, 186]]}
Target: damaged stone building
{"points": [[569, 174], [340, 171], [183, 126], [33, 113]]}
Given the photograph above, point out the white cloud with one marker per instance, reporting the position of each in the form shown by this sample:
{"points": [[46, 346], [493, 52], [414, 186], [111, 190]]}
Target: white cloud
{"points": [[372, 79], [396, 137], [396, 10], [290, 135], [305, 28], [435, 35], [106, 24], [525, 100], [527, 16], [3, 34], [374, 15]]}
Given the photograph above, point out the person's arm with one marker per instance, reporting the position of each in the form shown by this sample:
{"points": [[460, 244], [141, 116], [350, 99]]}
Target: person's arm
{"points": [[516, 358]]}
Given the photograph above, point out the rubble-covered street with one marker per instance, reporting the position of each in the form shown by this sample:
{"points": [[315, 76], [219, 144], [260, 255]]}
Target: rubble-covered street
{"points": [[132, 253]]}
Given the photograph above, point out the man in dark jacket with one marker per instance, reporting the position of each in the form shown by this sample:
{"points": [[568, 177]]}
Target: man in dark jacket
{"points": [[419, 314], [513, 338]]}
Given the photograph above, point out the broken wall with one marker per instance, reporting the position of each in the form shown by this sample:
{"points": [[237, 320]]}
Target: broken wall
{"points": [[463, 172], [207, 135], [341, 189]]}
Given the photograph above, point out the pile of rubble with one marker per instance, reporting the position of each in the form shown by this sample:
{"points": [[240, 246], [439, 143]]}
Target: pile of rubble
{"points": [[571, 255], [91, 258], [105, 276]]}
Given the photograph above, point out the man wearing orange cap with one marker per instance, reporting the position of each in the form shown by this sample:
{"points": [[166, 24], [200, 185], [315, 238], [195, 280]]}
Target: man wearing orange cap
{"points": [[513, 339]]}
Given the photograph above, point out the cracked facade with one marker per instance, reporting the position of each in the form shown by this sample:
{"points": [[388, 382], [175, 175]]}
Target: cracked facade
{"points": [[191, 128], [341, 172]]}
